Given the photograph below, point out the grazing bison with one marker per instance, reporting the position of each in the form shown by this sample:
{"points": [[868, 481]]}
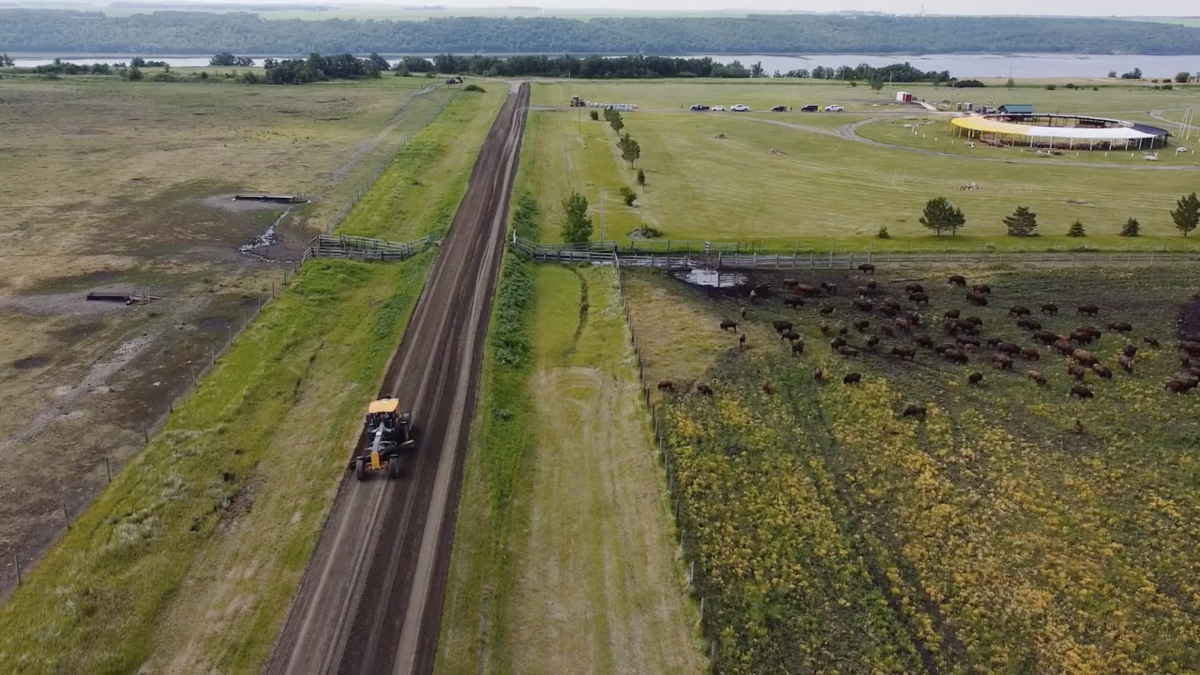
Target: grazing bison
{"points": [[848, 351], [829, 288], [1018, 310], [1181, 385], [1120, 327], [914, 288], [923, 341], [956, 356], [1102, 371], [837, 343], [805, 289], [1002, 362], [1045, 337], [866, 268], [863, 291], [1037, 376], [956, 280], [1009, 348], [887, 310], [1031, 353], [1029, 324], [904, 352], [1082, 337], [993, 341], [843, 330], [1083, 357], [981, 288], [863, 305], [1064, 347], [1077, 371], [666, 385], [789, 335], [952, 314], [793, 301], [1089, 309], [1192, 348], [1194, 371], [943, 348], [1150, 342], [742, 341], [818, 374], [704, 390], [743, 312], [978, 299], [824, 328], [789, 282], [729, 325], [975, 378], [797, 347], [1092, 330], [914, 410], [914, 319], [852, 378], [781, 325], [826, 310], [1126, 363], [1050, 308], [975, 321], [763, 290], [872, 285], [872, 342], [968, 340], [861, 325], [919, 298], [902, 324], [1129, 350], [1081, 392]]}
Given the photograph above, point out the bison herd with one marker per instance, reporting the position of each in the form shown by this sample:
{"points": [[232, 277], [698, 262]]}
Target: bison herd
{"points": [[962, 338]]}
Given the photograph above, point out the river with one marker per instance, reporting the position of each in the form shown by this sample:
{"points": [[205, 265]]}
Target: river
{"points": [[959, 65]]}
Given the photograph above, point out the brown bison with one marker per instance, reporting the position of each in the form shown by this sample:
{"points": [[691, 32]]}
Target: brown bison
{"points": [[872, 285], [837, 343], [1150, 342], [981, 288], [919, 298], [1077, 371], [1002, 362], [797, 347], [1081, 392], [887, 330], [1181, 385], [1009, 348], [1030, 353], [975, 321], [1102, 371], [824, 328], [1089, 309], [887, 310], [923, 341], [843, 330], [861, 325], [781, 325], [666, 385], [872, 342], [793, 301], [866, 268], [952, 314], [863, 305], [1096, 333], [826, 310], [993, 341], [1029, 324], [1119, 327], [914, 319], [789, 335], [943, 348], [1192, 348], [978, 299], [743, 312], [829, 288], [863, 291], [1083, 357], [849, 352], [818, 374], [1126, 363], [852, 378], [1082, 337], [1050, 308], [1037, 376], [704, 390], [742, 341], [956, 356], [1129, 350], [975, 378], [1064, 347], [789, 282], [902, 324], [805, 289], [1018, 310], [956, 280], [904, 352], [968, 340], [1044, 337], [729, 325], [914, 288], [915, 410]]}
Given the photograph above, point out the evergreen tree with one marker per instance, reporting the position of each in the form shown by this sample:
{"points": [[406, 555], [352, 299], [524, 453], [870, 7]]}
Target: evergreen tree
{"points": [[641, 177], [631, 151], [940, 215], [1186, 214], [1076, 230], [1131, 228], [577, 225], [1022, 222]]}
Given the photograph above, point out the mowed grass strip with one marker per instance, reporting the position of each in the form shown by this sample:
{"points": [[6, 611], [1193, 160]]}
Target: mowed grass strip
{"points": [[264, 433], [421, 189]]}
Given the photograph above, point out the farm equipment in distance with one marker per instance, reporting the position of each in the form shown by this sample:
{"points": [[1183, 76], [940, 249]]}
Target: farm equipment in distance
{"points": [[390, 432], [577, 102]]}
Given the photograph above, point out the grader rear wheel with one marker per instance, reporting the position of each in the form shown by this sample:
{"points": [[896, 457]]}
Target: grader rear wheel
{"points": [[360, 469]]}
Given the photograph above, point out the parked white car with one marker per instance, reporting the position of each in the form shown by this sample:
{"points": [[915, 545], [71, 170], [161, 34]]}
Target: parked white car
{"points": [[739, 108], [718, 108], [834, 108]]}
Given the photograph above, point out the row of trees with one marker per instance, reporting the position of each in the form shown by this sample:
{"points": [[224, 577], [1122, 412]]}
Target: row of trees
{"points": [[1182, 77], [942, 216], [317, 68], [577, 224], [227, 59], [181, 32]]}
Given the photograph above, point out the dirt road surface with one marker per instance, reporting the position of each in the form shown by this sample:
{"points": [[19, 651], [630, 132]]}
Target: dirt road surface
{"points": [[371, 599]]}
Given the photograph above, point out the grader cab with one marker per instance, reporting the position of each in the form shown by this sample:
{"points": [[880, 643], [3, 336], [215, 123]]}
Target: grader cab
{"points": [[389, 432]]}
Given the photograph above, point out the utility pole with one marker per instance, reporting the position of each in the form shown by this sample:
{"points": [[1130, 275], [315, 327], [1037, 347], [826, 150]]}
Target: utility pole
{"points": [[601, 215]]}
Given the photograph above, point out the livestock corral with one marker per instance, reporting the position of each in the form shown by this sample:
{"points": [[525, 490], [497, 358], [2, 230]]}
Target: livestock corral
{"points": [[961, 472]]}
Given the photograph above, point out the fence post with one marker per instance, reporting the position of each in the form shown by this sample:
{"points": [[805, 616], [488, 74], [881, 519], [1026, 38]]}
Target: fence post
{"points": [[17, 567]]}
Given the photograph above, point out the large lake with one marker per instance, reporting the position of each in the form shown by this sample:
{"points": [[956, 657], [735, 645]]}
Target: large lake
{"points": [[959, 65]]}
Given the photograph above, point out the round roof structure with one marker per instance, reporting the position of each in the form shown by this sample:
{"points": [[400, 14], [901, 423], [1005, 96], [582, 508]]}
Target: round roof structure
{"points": [[1054, 128]]}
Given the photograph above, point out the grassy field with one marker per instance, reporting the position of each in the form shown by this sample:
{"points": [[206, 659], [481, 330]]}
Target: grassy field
{"points": [[1013, 529], [563, 550], [825, 192]]}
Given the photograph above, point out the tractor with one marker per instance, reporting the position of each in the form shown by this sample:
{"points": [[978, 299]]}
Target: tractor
{"points": [[389, 431], [577, 102]]}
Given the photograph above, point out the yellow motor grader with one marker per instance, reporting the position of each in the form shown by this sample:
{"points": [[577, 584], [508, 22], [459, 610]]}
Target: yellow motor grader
{"points": [[389, 430]]}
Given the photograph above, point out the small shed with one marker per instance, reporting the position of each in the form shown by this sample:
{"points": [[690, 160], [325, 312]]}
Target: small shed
{"points": [[903, 97], [1016, 109]]}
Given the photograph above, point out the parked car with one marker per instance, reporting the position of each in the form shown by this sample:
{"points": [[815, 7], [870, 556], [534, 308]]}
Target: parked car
{"points": [[739, 108], [779, 108], [699, 106], [834, 108], [719, 108], [810, 108]]}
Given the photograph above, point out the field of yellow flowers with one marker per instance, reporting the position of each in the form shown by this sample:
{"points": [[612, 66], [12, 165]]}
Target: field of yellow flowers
{"points": [[1014, 529]]}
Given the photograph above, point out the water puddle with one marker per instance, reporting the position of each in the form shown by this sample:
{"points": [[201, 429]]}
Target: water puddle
{"points": [[265, 240]]}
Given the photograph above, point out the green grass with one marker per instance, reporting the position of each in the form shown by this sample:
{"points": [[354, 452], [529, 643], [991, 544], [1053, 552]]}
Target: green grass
{"points": [[421, 189], [827, 193], [101, 590]]}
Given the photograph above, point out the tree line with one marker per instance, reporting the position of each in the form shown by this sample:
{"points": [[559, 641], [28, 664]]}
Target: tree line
{"points": [[171, 32], [942, 216]]}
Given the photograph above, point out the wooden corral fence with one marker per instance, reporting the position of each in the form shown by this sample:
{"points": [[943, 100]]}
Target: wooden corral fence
{"points": [[727, 256], [656, 420], [364, 248]]}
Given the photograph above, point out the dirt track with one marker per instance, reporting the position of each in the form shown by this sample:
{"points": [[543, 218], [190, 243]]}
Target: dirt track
{"points": [[371, 599]]}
